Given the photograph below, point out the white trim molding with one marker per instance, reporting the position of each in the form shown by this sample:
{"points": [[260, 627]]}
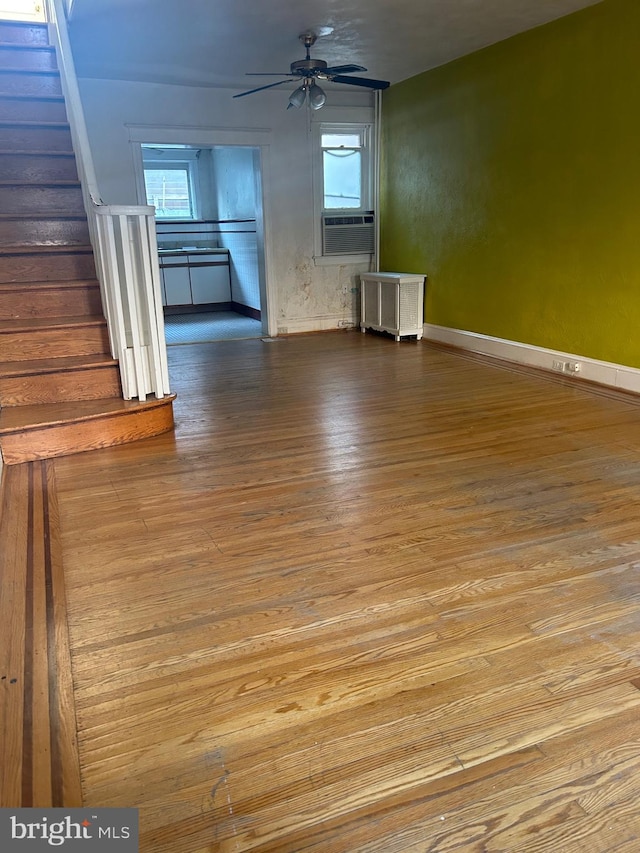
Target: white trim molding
{"points": [[555, 361], [319, 323]]}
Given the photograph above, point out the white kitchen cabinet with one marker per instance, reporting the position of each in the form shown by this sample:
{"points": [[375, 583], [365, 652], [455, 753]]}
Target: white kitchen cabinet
{"points": [[210, 281], [392, 302], [198, 278], [177, 285]]}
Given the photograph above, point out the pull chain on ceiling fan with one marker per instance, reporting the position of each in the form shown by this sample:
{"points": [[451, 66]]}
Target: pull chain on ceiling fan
{"points": [[309, 70]]}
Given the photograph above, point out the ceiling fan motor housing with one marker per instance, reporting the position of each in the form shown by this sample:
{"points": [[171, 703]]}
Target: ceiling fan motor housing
{"points": [[305, 67]]}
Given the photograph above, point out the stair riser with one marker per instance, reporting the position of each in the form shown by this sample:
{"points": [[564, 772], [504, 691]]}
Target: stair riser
{"points": [[28, 302], [14, 32], [43, 232], [29, 58], [37, 168], [54, 343], [90, 384], [32, 109], [65, 439], [35, 139], [63, 201], [17, 83], [46, 267]]}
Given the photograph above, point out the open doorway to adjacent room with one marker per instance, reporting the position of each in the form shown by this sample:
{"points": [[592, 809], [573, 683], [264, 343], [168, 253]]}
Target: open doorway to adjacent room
{"points": [[22, 10], [209, 223]]}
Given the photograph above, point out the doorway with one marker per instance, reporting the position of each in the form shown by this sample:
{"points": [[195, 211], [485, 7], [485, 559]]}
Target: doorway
{"points": [[22, 10], [209, 224]]}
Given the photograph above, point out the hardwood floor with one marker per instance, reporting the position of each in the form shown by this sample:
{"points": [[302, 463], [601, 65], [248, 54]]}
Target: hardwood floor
{"points": [[368, 597]]}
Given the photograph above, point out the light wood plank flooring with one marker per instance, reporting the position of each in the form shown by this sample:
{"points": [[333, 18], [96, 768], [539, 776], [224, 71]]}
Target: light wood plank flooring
{"points": [[368, 597]]}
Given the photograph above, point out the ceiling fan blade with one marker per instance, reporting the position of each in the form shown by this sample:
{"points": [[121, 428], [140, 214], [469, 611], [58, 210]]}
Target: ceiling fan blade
{"points": [[343, 69], [361, 81], [267, 74], [260, 88]]}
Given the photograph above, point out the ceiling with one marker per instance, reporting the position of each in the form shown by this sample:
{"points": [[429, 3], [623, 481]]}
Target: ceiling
{"points": [[214, 42]]}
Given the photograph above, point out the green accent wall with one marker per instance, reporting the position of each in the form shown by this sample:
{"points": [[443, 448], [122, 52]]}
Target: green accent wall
{"points": [[511, 177]]}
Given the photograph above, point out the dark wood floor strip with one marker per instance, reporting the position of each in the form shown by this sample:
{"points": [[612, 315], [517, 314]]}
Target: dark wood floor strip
{"points": [[57, 797], [40, 761], [27, 734]]}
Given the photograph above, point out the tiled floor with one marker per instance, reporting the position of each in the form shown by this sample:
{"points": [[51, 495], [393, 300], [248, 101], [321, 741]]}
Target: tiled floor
{"points": [[215, 326]]}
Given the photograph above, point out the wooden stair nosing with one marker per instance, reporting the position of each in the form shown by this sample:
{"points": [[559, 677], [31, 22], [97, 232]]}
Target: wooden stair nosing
{"points": [[38, 738], [13, 45], [121, 423], [49, 285], [33, 324], [22, 123], [12, 96], [36, 153], [49, 184], [56, 215], [20, 418], [47, 72], [8, 246], [43, 216], [14, 369], [18, 249]]}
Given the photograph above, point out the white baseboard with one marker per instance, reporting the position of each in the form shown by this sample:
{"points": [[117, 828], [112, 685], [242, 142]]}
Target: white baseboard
{"points": [[603, 372], [321, 323]]}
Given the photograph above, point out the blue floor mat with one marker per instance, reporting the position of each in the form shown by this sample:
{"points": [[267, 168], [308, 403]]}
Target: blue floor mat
{"points": [[214, 326]]}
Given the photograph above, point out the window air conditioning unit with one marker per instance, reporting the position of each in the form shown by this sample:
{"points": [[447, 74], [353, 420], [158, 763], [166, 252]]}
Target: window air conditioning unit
{"points": [[348, 235]]}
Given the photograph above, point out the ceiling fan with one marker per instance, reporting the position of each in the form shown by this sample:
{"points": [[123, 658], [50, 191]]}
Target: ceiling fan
{"points": [[309, 70]]}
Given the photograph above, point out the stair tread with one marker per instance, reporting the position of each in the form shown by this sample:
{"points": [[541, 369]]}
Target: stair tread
{"points": [[50, 323], [46, 248], [36, 153], [30, 123], [39, 184], [29, 286], [16, 45], [17, 69], [50, 214], [43, 97], [19, 418], [54, 365]]}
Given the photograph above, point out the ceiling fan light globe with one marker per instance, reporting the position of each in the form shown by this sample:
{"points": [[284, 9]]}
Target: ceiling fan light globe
{"points": [[297, 98], [317, 97]]}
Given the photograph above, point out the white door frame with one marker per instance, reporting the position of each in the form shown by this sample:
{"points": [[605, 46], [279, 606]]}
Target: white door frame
{"points": [[209, 138]]}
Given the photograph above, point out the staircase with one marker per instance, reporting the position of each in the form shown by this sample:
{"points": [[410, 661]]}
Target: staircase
{"points": [[59, 386]]}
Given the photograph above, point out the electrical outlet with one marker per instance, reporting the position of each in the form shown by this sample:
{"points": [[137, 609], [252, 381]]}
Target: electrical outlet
{"points": [[558, 365], [572, 367]]}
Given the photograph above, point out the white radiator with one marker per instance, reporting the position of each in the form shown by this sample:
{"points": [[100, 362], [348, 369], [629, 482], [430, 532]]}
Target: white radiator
{"points": [[392, 302]]}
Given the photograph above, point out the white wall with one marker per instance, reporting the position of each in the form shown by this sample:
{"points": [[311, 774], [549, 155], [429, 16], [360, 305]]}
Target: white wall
{"points": [[303, 296], [233, 184]]}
